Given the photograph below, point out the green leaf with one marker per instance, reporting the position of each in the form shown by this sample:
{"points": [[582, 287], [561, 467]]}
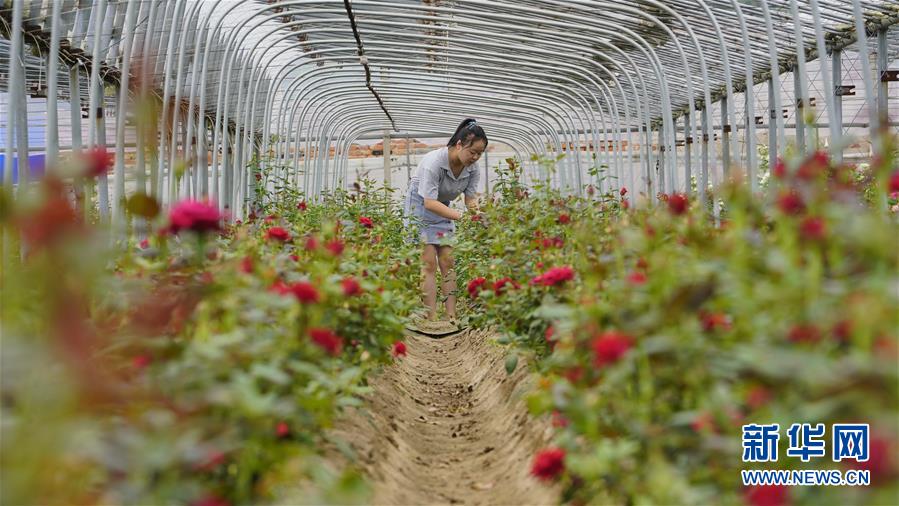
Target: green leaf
{"points": [[511, 362]]}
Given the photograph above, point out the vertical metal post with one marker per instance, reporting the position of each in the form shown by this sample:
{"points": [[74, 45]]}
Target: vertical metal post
{"points": [[12, 109], [883, 64], [773, 116], [408, 158], [725, 135], [386, 159], [800, 110], [688, 154], [53, 88], [118, 193], [95, 101], [486, 171], [704, 176], [836, 132]]}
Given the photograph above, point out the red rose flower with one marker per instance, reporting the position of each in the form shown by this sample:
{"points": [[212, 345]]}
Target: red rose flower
{"points": [[399, 349], [327, 340], [335, 246], [758, 396], [843, 331], [295, 258], [280, 287], [311, 243], [554, 276], [549, 334], [145, 244], [636, 278], [609, 347], [804, 333], [141, 361], [881, 459], [548, 464], [270, 218], [625, 204], [282, 430], [501, 285], [351, 287], [97, 162], [712, 322], [780, 169], [622, 191], [305, 292], [813, 228], [246, 265], [790, 202], [302, 206], [277, 234], [813, 166], [678, 203], [559, 420], [704, 422], [474, 286], [894, 182], [564, 219], [767, 495], [196, 216], [366, 222]]}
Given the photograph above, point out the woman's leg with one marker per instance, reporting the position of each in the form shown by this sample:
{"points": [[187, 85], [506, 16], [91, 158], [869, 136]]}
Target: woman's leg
{"points": [[445, 260], [429, 282]]}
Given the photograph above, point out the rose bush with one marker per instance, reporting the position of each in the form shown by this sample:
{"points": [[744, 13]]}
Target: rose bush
{"points": [[672, 332]]}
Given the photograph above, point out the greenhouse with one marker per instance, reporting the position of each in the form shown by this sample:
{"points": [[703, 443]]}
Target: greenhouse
{"points": [[449, 252]]}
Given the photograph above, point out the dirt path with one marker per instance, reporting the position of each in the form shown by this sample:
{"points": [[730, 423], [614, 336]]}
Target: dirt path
{"points": [[448, 426]]}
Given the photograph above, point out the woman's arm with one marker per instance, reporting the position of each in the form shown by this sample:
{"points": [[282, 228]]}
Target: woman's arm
{"points": [[441, 209]]}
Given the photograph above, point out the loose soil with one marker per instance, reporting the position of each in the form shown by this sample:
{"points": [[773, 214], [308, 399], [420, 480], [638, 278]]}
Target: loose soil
{"points": [[447, 425]]}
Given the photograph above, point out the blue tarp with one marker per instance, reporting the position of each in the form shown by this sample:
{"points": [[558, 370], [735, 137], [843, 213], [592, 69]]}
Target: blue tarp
{"points": [[36, 165]]}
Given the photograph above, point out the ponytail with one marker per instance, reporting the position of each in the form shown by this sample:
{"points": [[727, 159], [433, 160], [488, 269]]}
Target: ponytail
{"points": [[467, 132]]}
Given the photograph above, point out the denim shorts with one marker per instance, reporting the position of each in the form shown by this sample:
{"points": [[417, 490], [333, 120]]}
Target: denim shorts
{"points": [[423, 225]]}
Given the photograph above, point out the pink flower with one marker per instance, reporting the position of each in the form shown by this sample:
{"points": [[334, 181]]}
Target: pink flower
{"points": [[609, 347], [474, 286], [327, 340], [97, 161], [548, 464], [351, 287], [678, 203], [196, 216], [636, 278], [554, 276], [277, 234], [144, 244], [282, 430], [399, 349], [305, 292], [366, 222]]}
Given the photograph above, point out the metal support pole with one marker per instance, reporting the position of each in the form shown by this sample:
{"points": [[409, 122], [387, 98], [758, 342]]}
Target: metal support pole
{"points": [[53, 89], [725, 136], [486, 172], [386, 159], [688, 154], [774, 114], [883, 64], [800, 110], [704, 175], [836, 133]]}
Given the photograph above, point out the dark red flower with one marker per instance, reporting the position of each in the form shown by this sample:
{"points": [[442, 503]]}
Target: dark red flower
{"points": [[790, 202], [280, 287], [559, 420], [554, 276], [713, 322], [548, 464], [258, 176], [270, 218], [196, 216], [501, 285], [212, 461], [302, 206], [881, 458], [474, 286], [780, 169], [894, 182], [351, 287], [758, 396], [767, 495], [145, 244], [476, 217], [335, 246], [625, 204], [609, 347], [311, 243], [636, 278], [843, 330], [813, 228], [622, 191], [804, 333], [399, 349], [210, 500], [678, 203], [141, 361], [97, 162], [564, 219], [246, 265], [813, 166], [703, 422], [305, 292], [642, 264], [549, 334], [539, 265], [282, 430], [277, 234], [327, 340], [366, 222], [295, 258]]}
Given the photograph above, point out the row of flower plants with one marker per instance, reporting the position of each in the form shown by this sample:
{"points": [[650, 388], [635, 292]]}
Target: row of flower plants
{"points": [[658, 331], [198, 362]]}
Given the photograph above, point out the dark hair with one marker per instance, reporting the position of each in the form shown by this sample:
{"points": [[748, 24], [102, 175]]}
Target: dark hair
{"points": [[468, 132]]}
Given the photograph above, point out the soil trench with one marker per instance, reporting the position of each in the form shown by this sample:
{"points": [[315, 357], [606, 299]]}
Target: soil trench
{"points": [[447, 425]]}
